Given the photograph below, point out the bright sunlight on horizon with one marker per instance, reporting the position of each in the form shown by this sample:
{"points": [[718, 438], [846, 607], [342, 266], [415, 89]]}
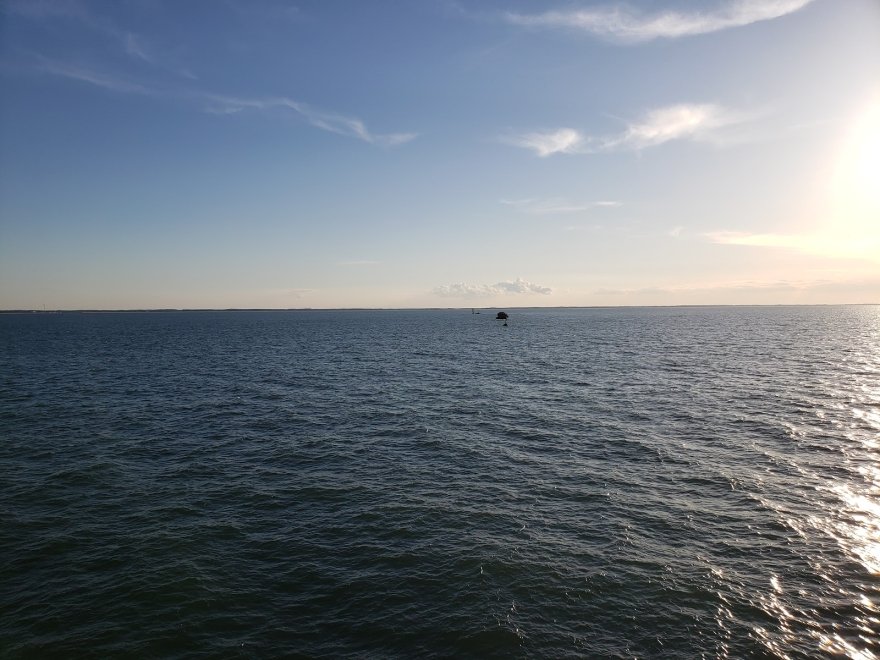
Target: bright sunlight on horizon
{"points": [[281, 154]]}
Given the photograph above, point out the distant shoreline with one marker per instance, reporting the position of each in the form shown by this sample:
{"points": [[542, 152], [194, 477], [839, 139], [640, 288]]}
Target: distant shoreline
{"points": [[407, 309]]}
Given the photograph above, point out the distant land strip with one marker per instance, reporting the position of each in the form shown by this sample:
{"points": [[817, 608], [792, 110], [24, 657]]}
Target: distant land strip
{"points": [[407, 309]]}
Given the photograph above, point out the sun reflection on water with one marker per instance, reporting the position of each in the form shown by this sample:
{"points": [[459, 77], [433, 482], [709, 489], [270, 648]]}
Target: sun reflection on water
{"points": [[845, 510], [855, 523], [859, 526]]}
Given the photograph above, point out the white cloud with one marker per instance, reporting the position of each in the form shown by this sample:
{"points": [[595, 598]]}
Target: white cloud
{"points": [[517, 286], [521, 286], [684, 121], [675, 122], [560, 141], [626, 24]]}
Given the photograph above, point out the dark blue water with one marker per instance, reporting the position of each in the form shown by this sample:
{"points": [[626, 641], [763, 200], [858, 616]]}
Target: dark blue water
{"points": [[672, 482]]}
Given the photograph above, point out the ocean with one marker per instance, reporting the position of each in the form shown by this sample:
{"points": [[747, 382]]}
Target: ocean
{"points": [[694, 482]]}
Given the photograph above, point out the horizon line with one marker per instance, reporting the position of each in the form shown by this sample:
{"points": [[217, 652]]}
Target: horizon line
{"points": [[147, 310]]}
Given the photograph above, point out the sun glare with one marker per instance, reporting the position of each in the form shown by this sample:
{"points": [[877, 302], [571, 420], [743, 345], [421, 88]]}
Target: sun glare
{"points": [[866, 157], [856, 184]]}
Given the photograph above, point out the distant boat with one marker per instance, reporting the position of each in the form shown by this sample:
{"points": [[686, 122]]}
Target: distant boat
{"points": [[473, 311], [502, 315]]}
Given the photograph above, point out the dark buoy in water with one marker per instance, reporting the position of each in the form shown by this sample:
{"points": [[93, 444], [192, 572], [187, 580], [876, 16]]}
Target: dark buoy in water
{"points": [[502, 316]]}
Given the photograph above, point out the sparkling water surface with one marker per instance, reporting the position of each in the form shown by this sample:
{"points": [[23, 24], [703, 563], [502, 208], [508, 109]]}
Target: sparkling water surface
{"points": [[641, 482]]}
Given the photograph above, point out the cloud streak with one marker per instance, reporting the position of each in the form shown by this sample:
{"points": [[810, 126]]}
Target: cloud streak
{"points": [[684, 121], [844, 285], [95, 78], [829, 245], [517, 286], [625, 24], [220, 104], [328, 121], [554, 206]]}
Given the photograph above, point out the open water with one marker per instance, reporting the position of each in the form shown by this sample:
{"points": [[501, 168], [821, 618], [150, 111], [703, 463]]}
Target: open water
{"points": [[655, 482]]}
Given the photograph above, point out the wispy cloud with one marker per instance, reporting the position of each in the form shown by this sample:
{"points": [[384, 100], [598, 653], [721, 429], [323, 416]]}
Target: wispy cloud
{"points": [[73, 10], [824, 244], [349, 126], [837, 284], [675, 122], [740, 285], [92, 77], [292, 293], [554, 206], [133, 45], [517, 286], [560, 141], [626, 24], [221, 104], [328, 121], [684, 121]]}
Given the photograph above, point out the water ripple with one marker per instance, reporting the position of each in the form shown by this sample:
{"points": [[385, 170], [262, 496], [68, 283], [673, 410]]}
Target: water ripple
{"points": [[686, 482]]}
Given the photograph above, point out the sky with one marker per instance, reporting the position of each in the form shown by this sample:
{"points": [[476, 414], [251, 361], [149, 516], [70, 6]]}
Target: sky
{"points": [[440, 153]]}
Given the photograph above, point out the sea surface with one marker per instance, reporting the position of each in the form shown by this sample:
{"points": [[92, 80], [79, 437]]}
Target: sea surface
{"points": [[601, 483]]}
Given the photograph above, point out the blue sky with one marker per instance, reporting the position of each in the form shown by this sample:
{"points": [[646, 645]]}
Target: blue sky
{"points": [[264, 153]]}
